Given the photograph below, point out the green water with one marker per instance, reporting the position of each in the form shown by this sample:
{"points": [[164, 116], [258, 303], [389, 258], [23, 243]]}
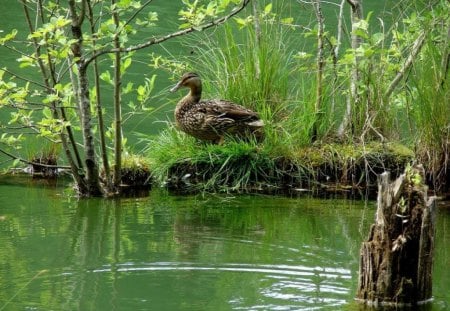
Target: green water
{"points": [[167, 252]]}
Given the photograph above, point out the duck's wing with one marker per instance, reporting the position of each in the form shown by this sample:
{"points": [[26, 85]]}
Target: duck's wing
{"points": [[229, 110]]}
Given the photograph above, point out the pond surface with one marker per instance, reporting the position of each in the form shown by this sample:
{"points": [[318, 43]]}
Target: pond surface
{"points": [[204, 252]]}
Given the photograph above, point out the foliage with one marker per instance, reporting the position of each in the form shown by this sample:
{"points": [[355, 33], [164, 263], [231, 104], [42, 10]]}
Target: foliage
{"points": [[393, 85], [64, 46], [263, 71]]}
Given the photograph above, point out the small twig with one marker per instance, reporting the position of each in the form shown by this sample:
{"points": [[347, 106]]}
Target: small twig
{"points": [[31, 163], [24, 79], [22, 288], [134, 15]]}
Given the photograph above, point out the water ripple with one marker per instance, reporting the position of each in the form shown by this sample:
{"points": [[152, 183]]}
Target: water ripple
{"points": [[292, 270], [282, 287]]}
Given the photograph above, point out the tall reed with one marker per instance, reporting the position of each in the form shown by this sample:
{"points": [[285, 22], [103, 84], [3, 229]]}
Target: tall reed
{"points": [[430, 105]]}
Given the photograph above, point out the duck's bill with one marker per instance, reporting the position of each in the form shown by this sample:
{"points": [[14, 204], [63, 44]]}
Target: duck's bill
{"points": [[176, 87]]}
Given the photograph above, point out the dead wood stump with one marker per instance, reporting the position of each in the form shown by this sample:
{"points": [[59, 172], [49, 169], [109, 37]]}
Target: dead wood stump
{"points": [[396, 261]]}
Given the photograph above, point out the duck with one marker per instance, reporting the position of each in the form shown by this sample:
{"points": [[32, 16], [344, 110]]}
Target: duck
{"points": [[212, 119]]}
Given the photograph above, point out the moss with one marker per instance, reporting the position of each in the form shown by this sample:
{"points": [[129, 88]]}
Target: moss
{"points": [[135, 171], [241, 165]]}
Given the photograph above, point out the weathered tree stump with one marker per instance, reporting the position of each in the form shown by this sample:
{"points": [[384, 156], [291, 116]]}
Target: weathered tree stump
{"points": [[396, 260]]}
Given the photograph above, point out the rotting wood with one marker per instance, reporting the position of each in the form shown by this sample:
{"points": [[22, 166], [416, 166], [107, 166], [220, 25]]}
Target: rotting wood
{"points": [[396, 261]]}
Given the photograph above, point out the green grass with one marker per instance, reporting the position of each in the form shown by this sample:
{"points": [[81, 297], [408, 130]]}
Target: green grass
{"points": [[430, 112], [259, 75], [183, 162], [269, 76], [232, 166]]}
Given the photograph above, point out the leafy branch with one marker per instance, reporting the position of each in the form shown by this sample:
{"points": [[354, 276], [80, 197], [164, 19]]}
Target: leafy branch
{"points": [[164, 38]]}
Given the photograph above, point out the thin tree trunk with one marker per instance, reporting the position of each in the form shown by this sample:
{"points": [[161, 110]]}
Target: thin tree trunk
{"points": [[336, 56], [117, 107], [258, 33], [101, 123], [353, 99], [339, 29], [92, 172], [320, 67]]}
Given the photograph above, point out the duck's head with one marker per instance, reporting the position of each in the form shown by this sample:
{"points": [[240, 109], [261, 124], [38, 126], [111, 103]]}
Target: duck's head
{"points": [[190, 80]]}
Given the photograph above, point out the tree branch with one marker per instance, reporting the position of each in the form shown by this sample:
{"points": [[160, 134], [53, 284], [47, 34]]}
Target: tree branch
{"points": [[353, 3], [169, 36], [135, 14], [417, 46], [31, 162]]}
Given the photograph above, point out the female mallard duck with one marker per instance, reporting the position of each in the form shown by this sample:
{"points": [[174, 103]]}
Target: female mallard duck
{"points": [[212, 119]]}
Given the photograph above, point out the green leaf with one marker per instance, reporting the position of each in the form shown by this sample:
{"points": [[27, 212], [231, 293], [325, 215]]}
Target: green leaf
{"points": [[184, 26], [47, 113], [141, 90], [377, 38], [242, 22], [128, 88], [106, 76], [8, 37], [16, 162], [223, 4], [152, 16], [287, 20], [211, 9], [126, 64]]}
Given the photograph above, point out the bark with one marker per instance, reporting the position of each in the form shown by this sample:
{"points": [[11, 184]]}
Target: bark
{"points": [[92, 176], [397, 259], [335, 55], [117, 107], [258, 35], [320, 68], [92, 171], [101, 123], [353, 99]]}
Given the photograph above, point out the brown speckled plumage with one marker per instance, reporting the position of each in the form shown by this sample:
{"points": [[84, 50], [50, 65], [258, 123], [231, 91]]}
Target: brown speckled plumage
{"points": [[211, 119]]}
